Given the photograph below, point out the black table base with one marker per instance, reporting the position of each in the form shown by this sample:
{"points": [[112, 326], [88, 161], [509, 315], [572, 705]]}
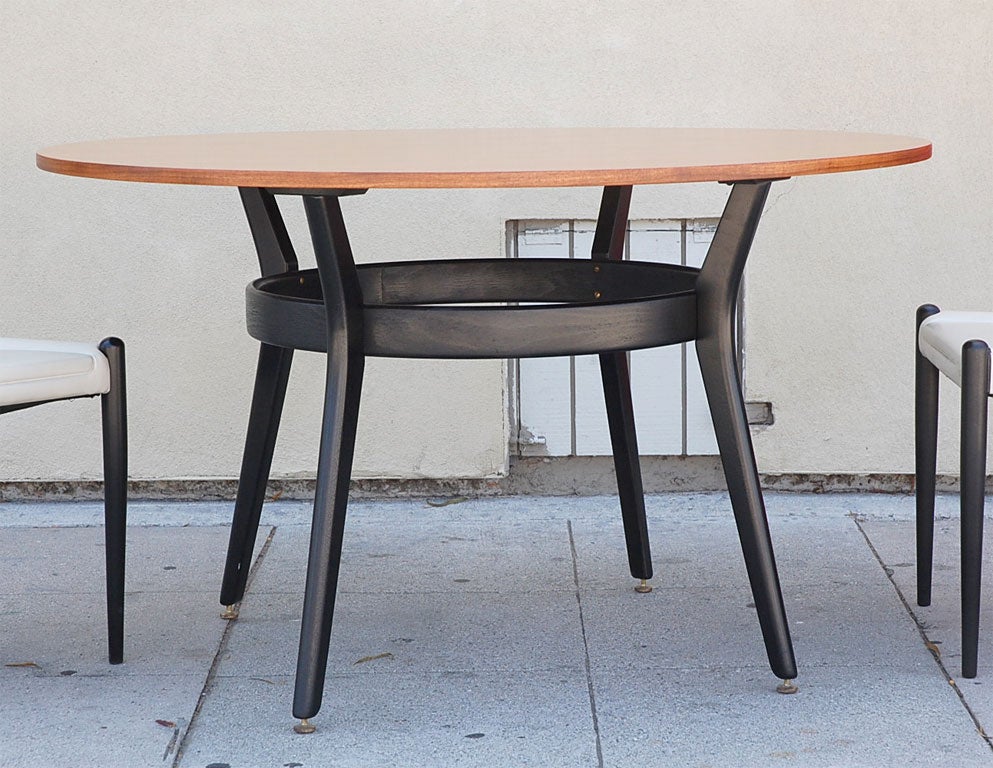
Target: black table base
{"points": [[523, 308]]}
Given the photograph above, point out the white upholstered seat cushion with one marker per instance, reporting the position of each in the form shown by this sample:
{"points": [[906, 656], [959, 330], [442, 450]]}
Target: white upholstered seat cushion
{"points": [[34, 371], [942, 335]]}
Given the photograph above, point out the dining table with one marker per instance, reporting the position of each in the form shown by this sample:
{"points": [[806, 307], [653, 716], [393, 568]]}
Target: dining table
{"points": [[481, 307]]}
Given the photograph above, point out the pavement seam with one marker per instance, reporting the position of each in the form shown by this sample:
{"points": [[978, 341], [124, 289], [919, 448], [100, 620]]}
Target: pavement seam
{"points": [[923, 632], [586, 646], [208, 683]]}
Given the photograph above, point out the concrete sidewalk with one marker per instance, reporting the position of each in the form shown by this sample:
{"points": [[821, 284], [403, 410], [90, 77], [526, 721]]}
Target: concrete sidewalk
{"points": [[497, 632]]}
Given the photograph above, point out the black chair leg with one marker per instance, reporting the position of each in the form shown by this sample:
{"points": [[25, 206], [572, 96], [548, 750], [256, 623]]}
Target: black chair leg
{"points": [[926, 450], [271, 377], [624, 443], [975, 391], [115, 468]]}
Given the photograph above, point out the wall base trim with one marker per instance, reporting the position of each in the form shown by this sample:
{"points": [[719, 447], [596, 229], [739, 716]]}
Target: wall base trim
{"points": [[576, 475]]}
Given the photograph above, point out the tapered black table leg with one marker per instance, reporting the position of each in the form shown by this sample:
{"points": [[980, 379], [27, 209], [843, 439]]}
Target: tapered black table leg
{"points": [[276, 256], [271, 378], [717, 363], [344, 384], [627, 466], [975, 391], [114, 410], [926, 453], [608, 245], [717, 291], [345, 365]]}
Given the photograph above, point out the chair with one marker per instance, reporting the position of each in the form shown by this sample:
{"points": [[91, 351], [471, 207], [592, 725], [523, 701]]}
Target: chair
{"points": [[37, 372], [958, 345]]}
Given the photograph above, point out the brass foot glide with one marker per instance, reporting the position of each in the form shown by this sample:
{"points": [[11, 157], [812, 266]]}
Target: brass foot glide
{"points": [[644, 587], [304, 726], [787, 686], [230, 612]]}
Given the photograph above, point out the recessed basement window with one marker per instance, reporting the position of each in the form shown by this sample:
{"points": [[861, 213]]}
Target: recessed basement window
{"points": [[558, 408]]}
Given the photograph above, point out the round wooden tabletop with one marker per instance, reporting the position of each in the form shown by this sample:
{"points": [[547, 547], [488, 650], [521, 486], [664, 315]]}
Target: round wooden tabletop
{"points": [[539, 157]]}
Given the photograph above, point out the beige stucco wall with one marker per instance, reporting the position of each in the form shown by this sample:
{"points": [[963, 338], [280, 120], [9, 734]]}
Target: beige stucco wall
{"points": [[839, 265]]}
